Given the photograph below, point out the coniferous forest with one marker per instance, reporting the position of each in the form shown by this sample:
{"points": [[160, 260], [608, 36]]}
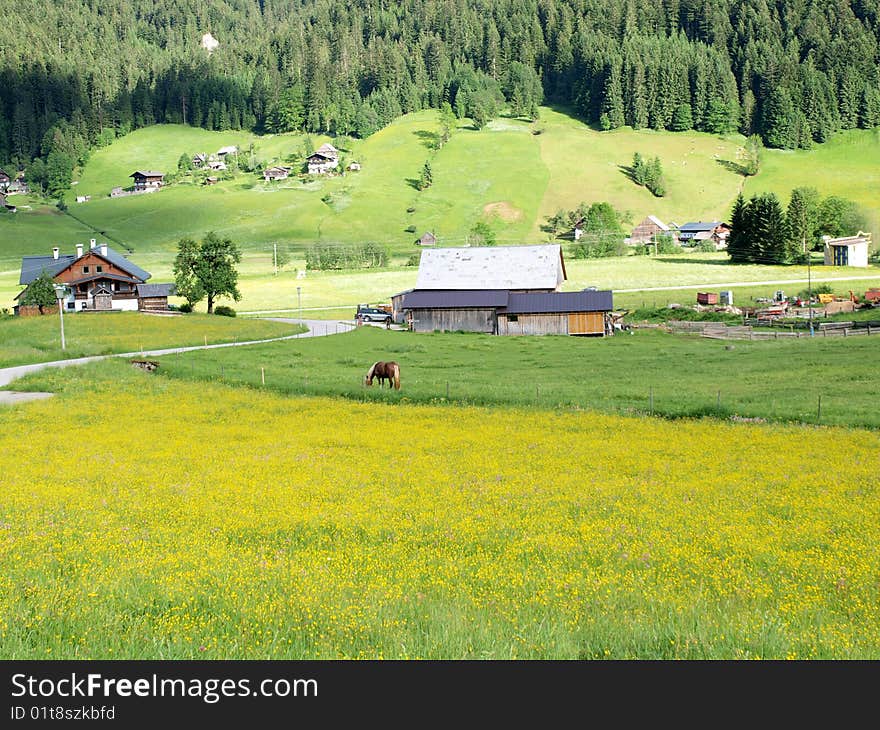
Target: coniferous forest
{"points": [[75, 74]]}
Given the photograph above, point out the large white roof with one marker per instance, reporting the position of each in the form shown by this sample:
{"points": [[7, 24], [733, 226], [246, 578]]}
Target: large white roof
{"points": [[492, 267]]}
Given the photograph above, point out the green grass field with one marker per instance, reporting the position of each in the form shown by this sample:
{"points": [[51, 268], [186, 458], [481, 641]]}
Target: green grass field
{"points": [[504, 174], [38, 339], [685, 375]]}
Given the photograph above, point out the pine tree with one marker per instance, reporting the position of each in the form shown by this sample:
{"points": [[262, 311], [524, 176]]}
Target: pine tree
{"points": [[682, 118], [612, 100], [801, 214], [769, 230], [426, 177], [738, 242]]}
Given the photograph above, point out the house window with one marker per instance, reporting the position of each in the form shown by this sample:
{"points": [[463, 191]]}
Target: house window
{"points": [[85, 269], [513, 318], [99, 269]]}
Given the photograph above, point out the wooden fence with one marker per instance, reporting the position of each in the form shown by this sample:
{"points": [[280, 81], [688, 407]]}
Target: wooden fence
{"points": [[722, 331]]}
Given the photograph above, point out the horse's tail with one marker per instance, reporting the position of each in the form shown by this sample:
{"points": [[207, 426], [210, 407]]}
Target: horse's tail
{"points": [[395, 372]]}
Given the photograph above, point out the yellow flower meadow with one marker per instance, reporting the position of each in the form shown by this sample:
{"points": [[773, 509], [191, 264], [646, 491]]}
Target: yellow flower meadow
{"points": [[201, 521]]}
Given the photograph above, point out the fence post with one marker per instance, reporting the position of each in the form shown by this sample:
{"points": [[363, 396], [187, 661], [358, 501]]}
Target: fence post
{"points": [[221, 373], [651, 398], [263, 375], [718, 401], [537, 391], [206, 340], [844, 331], [819, 410], [447, 390]]}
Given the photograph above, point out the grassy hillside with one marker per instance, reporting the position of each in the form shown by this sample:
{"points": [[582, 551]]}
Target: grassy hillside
{"points": [[505, 174]]}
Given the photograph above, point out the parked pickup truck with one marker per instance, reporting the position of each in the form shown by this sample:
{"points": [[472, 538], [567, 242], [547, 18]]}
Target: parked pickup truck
{"points": [[372, 314]]}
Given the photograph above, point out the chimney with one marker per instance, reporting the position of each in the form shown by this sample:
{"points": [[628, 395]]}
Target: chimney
{"points": [[55, 252], [103, 249], [93, 243], [79, 250]]}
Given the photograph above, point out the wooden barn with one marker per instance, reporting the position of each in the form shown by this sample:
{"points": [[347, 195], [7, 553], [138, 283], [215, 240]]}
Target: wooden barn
{"points": [[645, 231], [154, 297], [500, 312], [505, 290]]}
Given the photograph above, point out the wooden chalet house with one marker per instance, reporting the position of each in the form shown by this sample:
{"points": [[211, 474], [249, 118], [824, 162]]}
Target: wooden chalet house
{"points": [[96, 279], [279, 172], [504, 290], [5, 181], [199, 160], [147, 180], [323, 160]]}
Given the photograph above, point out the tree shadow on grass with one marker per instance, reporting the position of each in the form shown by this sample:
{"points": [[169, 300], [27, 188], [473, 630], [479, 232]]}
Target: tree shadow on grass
{"points": [[430, 140], [628, 171], [733, 167], [413, 183]]}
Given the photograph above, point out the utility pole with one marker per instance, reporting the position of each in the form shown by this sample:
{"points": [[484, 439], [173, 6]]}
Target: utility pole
{"points": [[809, 285]]}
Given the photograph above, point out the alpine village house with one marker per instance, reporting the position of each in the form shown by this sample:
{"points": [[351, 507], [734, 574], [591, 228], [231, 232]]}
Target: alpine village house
{"points": [[97, 279], [323, 160]]}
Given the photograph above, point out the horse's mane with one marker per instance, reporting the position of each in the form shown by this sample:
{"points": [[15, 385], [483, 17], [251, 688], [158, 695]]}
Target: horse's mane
{"points": [[372, 370]]}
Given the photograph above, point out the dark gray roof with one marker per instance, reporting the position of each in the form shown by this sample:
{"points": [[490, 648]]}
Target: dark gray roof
{"points": [[31, 266], [568, 301], [699, 226], [147, 173], [454, 299], [155, 290], [116, 258]]}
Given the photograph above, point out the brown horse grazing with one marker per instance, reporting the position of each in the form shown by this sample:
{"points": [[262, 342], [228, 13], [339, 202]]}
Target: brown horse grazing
{"points": [[383, 371]]}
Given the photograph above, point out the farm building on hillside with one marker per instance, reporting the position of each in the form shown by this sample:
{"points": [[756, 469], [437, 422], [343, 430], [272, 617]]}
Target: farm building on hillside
{"points": [[645, 231], [427, 239], [228, 150], [279, 172], [501, 312], [147, 180], [5, 180], [324, 159], [847, 251], [199, 159], [514, 268], [97, 279]]}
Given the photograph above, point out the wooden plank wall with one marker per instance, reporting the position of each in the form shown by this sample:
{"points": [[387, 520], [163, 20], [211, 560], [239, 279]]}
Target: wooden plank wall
{"points": [[533, 324], [450, 320]]}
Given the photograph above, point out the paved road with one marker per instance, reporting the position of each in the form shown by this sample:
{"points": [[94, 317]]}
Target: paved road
{"points": [[316, 328]]}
